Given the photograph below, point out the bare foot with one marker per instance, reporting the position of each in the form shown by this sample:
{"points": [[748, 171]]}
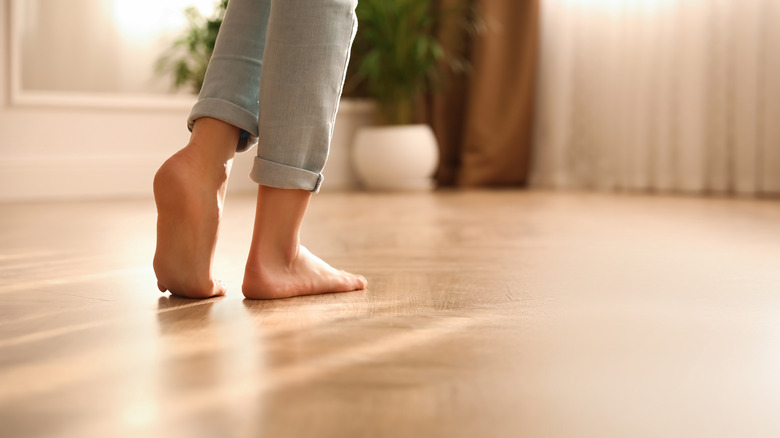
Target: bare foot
{"points": [[278, 266], [307, 274], [189, 190]]}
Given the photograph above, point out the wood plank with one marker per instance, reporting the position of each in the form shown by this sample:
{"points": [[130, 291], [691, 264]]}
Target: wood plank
{"points": [[489, 313]]}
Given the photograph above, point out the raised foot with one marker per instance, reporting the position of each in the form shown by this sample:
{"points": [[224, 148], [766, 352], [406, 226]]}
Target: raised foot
{"points": [[188, 213], [307, 274]]}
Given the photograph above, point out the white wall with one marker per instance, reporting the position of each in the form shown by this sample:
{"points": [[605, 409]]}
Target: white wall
{"points": [[98, 45], [69, 152], [62, 152]]}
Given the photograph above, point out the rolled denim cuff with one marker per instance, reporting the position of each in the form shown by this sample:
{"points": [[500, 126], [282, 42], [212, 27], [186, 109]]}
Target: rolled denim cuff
{"points": [[271, 174], [229, 113]]}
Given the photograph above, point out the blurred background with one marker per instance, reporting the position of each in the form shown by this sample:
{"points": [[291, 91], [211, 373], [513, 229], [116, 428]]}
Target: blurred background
{"points": [[671, 96]]}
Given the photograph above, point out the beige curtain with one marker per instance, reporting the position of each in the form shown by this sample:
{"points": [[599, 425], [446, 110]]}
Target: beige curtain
{"points": [[662, 96], [484, 120]]}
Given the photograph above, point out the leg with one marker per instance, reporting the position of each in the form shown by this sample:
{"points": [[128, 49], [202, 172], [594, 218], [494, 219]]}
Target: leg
{"points": [[231, 87], [189, 188], [278, 265], [306, 55]]}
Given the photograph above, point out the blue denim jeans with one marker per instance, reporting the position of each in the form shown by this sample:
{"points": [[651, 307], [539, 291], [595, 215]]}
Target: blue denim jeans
{"points": [[277, 73]]}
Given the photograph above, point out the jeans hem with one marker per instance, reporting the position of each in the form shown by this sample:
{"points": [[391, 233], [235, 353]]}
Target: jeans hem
{"points": [[272, 174], [227, 112]]}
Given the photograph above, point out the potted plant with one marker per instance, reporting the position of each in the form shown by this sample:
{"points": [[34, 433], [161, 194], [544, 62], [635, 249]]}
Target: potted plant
{"points": [[397, 59]]}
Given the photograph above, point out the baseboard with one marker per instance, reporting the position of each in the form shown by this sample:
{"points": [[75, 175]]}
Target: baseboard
{"points": [[118, 177], [84, 175], [60, 178], [66, 178]]}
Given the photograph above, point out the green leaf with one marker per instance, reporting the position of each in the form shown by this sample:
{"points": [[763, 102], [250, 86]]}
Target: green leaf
{"points": [[397, 56], [187, 58]]}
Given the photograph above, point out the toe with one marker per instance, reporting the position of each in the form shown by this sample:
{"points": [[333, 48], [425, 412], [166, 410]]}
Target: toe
{"points": [[200, 291], [220, 289], [360, 282]]}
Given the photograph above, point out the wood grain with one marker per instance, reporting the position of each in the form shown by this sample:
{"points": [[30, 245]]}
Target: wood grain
{"points": [[490, 314]]}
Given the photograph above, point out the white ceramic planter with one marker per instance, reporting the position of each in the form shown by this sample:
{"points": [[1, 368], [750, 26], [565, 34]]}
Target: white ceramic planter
{"points": [[395, 157]]}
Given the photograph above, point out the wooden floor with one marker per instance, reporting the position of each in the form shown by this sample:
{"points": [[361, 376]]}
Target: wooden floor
{"points": [[489, 314]]}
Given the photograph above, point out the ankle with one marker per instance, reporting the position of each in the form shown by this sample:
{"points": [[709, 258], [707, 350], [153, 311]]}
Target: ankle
{"points": [[214, 140], [277, 253], [209, 165], [278, 219]]}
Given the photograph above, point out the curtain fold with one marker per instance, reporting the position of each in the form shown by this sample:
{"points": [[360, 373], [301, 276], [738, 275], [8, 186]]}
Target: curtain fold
{"points": [[484, 123], [669, 95]]}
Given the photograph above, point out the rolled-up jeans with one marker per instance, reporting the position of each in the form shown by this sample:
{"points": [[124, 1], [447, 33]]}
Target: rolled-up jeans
{"points": [[276, 73]]}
